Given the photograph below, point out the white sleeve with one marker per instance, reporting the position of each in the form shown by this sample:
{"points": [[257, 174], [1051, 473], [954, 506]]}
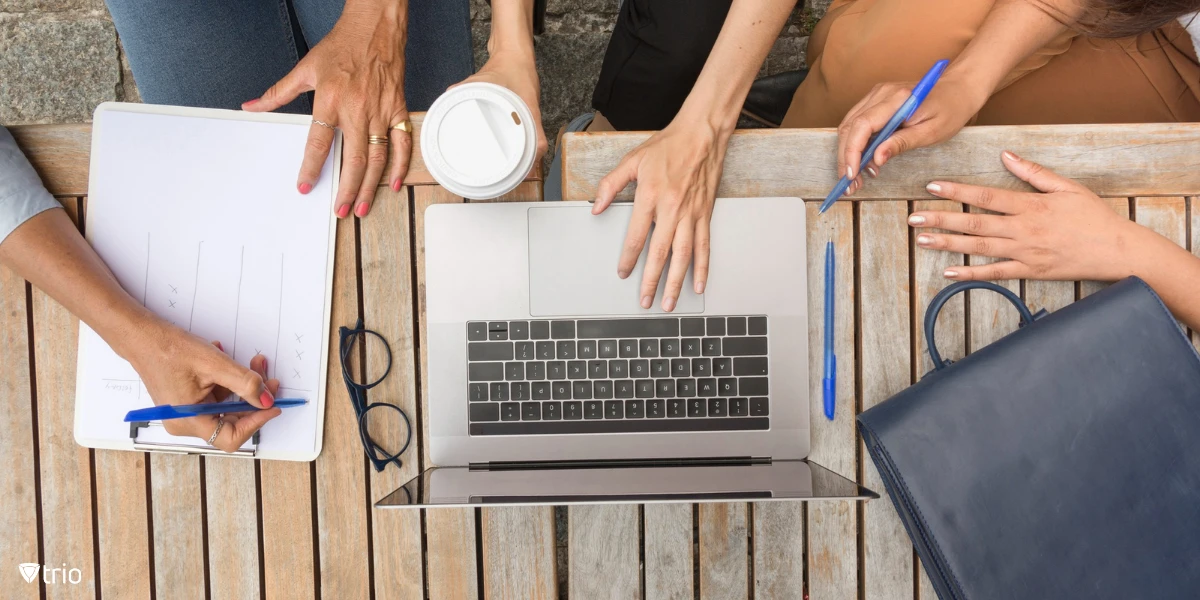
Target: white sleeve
{"points": [[22, 194]]}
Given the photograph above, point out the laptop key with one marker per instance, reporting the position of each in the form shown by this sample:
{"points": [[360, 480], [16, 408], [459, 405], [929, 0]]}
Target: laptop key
{"points": [[476, 331], [660, 367], [561, 390], [665, 388], [717, 407], [608, 348], [655, 409], [510, 411], [746, 346], [477, 392], [498, 391], [738, 407], [597, 369], [623, 388], [531, 411], [565, 350], [498, 331], [736, 326], [620, 426], [556, 369], [587, 349], [618, 328], [576, 369], [759, 408], [681, 367], [706, 388], [690, 347], [540, 390], [562, 330], [487, 351], [685, 388], [727, 386], [545, 351], [696, 407], [634, 409], [514, 371], [756, 326], [710, 346], [552, 411], [520, 391], [639, 369], [644, 388], [668, 348], [628, 348], [535, 370], [648, 349], [752, 386], [539, 330], [618, 368], [701, 367], [750, 365], [715, 326], [492, 371], [581, 390], [691, 326], [593, 409], [485, 412], [525, 351], [723, 367], [572, 411], [676, 409], [614, 409], [602, 389], [518, 330]]}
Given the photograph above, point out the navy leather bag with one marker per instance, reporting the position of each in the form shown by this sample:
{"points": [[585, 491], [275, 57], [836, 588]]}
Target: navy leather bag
{"points": [[1062, 461]]}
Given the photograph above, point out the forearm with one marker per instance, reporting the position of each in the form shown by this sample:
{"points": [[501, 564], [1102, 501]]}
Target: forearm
{"points": [[48, 251], [745, 39], [1011, 32], [1172, 272], [512, 28]]}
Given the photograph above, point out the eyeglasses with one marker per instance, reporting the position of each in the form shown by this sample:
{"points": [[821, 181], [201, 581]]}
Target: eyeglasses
{"points": [[358, 398]]}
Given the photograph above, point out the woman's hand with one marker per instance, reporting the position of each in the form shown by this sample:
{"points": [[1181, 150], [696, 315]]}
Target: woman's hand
{"points": [[358, 74], [180, 368], [677, 171], [947, 108], [1066, 233], [517, 71]]}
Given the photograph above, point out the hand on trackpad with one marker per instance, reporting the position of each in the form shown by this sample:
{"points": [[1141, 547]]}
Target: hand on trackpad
{"points": [[573, 265]]}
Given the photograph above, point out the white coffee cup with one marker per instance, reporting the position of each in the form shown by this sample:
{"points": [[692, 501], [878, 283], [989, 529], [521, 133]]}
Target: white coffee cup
{"points": [[478, 140]]}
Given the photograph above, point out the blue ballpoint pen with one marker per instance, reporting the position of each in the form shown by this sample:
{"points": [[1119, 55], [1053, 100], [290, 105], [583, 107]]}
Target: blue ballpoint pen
{"points": [[180, 411], [829, 383], [906, 110]]}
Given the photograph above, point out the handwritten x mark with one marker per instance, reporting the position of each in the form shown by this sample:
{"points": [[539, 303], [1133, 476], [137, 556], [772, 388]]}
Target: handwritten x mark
{"points": [[299, 337], [172, 303], [297, 373], [174, 290], [300, 354]]}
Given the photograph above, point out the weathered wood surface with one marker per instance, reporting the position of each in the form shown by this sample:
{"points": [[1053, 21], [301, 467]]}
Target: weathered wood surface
{"points": [[603, 545], [723, 551], [667, 545], [1117, 160]]}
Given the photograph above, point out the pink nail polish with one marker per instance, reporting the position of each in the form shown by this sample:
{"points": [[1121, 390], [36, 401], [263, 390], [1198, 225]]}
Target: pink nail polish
{"points": [[219, 347], [396, 185], [343, 211], [304, 188], [362, 209], [266, 400], [250, 102]]}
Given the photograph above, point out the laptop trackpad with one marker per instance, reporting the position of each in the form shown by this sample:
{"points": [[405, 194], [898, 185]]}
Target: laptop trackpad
{"points": [[573, 265]]}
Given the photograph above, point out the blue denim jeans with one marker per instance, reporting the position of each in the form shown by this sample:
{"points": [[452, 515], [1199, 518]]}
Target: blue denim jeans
{"points": [[221, 53]]}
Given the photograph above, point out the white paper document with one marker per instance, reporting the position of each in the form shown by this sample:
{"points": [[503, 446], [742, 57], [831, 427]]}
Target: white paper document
{"points": [[197, 214]]}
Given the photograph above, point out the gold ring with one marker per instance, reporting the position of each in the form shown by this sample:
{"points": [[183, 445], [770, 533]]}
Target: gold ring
{"points": [[405, 126], [323, 124], [381, 140]]}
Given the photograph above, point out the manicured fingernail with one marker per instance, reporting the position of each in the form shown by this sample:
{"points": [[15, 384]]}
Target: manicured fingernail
{"points": [[362, 209], [647, 301], [304, 188], [872, 172], [849, 172], [622, 274], [916, 220], [343, 211], [266, 399], [924, 240], [950, 273], [249, 102], [219, 347], [668, 304], [934, 188], [699, 287], [1011, 156], [884, 156], [396, 185]]}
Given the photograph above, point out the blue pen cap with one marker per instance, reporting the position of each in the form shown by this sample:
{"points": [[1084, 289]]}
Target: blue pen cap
{"points": [[927, 82]]}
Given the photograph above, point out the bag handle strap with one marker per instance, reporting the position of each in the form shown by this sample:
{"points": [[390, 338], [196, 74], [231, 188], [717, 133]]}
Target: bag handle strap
{"points": [[935, 307]]}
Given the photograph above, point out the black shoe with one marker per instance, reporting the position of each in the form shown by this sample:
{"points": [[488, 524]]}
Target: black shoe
{"points": [[770, 97]]}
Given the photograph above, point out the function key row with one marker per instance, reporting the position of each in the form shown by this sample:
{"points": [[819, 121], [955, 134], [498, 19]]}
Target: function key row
{"points": [[592, 349], [592, 329], [620, 409]]}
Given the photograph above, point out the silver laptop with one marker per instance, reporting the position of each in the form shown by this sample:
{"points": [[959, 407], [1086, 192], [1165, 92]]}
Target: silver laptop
{"points": [[549, 384]]}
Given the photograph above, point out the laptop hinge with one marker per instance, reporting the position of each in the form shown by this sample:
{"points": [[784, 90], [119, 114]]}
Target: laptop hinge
{"points": [[621, 463]]}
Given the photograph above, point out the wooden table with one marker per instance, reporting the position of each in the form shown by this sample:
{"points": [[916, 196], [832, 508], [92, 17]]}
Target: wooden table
{"points": [[169, 526]]}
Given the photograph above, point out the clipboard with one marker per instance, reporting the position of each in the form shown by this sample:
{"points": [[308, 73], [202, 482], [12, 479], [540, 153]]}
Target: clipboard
{"points": [[196, 213]]}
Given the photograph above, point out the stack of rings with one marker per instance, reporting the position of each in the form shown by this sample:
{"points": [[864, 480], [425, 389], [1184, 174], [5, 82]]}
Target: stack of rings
{"points": [[381, 140]]}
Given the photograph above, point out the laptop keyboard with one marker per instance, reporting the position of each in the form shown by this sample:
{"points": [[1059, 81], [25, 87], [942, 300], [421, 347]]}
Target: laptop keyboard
{"points": [[617, 375]]}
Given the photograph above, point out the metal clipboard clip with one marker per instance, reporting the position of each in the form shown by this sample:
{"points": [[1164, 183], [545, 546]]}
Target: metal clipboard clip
{"points": [[180, 448]]}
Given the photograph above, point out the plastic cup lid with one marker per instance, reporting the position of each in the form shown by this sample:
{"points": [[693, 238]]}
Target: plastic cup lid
{"points": [[478, 140]]}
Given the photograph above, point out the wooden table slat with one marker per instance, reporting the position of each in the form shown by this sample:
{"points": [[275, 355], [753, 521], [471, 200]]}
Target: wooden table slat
{"points": [[778, 550], [387, 279], [518, 553], [603, 548], [232, 517], [122, 520], [832, 526], [724, 551], [668, 548], [178, 524], [885, 367]]}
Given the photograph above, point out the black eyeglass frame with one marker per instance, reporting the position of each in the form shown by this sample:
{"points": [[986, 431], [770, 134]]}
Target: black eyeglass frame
{"points": [[358, 399]]}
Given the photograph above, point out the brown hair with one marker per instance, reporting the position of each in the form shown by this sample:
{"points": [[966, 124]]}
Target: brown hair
{"points": [[1118, 18]]}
